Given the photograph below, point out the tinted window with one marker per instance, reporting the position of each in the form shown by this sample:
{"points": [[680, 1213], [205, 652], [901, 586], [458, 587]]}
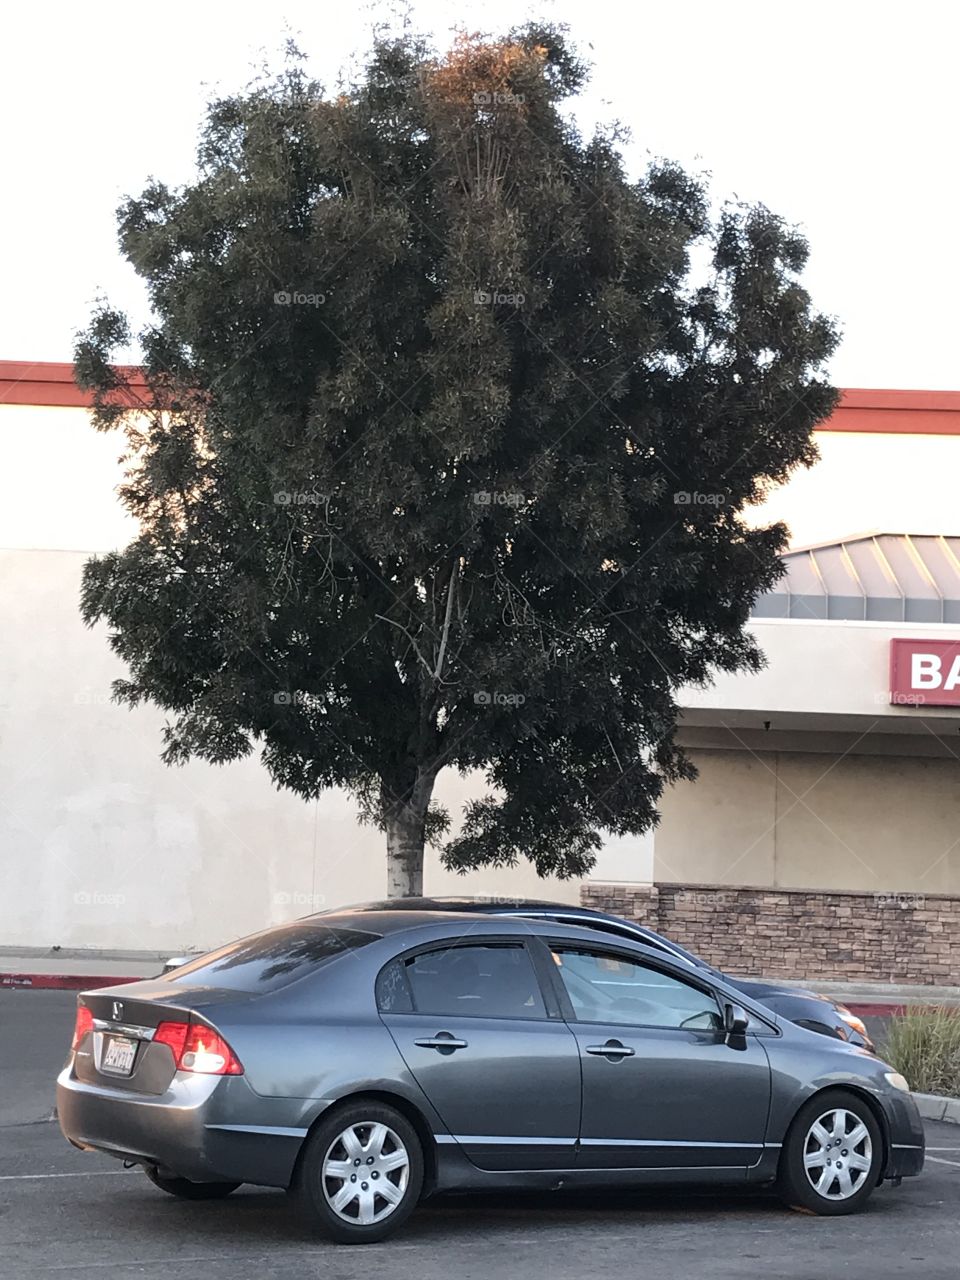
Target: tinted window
{"points": [[604, 987], [272, 959], [477, 982]]}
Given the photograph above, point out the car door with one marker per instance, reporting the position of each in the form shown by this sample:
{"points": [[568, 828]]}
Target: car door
{"points": [[490, 1049], [662, 1088]]}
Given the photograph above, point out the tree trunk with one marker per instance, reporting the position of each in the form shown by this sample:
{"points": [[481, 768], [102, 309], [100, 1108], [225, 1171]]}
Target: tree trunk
{"points": [[404, 852]]}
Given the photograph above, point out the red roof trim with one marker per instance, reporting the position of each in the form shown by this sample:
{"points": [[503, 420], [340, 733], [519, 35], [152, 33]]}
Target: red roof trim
{"points": [[934, 413], [886, 412], [43, 382]]}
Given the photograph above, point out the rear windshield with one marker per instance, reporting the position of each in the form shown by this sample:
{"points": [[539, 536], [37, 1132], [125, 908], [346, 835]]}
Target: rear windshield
{"points": [[272, 959]]}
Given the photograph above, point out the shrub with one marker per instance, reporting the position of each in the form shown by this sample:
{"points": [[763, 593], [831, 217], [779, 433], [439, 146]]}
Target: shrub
{"points": [[924, 1045]]}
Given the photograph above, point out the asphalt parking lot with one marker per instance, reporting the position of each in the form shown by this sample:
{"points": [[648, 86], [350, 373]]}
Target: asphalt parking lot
{"points": [[68, 1213]]}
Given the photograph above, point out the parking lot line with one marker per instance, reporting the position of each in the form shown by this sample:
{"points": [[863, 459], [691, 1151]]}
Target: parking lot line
{"points": [[86, 1173], [940, 1160]]}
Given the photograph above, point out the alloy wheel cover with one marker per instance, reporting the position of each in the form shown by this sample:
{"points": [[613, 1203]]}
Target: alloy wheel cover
{"points": [[837, 1154], [365, 1173]]}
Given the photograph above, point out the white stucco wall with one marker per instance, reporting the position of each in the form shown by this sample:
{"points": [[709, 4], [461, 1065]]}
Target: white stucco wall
{"points": [[57, 481], [103, 846]]}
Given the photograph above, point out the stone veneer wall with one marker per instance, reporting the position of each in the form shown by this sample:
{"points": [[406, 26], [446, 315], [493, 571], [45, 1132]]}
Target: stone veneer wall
{"points": [[799, 933]]}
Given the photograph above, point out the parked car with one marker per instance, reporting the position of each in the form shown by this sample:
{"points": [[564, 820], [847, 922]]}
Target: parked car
{"points": [[798, 1004], [366, 1059]]}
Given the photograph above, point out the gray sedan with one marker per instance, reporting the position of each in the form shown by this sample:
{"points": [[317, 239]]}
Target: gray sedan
{"points": [[366, 1060]]}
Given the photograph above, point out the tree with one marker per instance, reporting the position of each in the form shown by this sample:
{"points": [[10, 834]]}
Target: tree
{"points": [[447, 449]]}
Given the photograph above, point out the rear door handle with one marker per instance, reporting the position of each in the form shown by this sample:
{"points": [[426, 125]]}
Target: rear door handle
{"points": [[443, 1042], [613, 1049]]}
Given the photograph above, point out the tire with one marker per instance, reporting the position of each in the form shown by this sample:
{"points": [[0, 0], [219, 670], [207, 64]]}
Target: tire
{"points": [[332, 1193], [831, 1160], [184, 1189]]}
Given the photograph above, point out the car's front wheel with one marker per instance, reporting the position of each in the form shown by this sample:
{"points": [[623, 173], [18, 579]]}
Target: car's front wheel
{"points": [[187, 1190], [360, 1174], [832, 1157]]}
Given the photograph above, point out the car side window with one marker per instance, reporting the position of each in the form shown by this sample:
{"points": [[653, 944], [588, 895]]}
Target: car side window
{"points": [[495, 981], [606, 987], [393, 990]]}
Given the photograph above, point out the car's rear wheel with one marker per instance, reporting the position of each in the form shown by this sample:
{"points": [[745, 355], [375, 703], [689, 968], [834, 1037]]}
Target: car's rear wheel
{"points": [[361, 1173], [832, 1157], [187, 1190]]}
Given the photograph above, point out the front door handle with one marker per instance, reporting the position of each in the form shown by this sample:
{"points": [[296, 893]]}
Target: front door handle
{"points": [[443, 1042], [613, 1050]]}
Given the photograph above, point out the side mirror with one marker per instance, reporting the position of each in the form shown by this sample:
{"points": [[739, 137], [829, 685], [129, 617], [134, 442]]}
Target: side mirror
{"points": [[735, 1021], [175, 962]]}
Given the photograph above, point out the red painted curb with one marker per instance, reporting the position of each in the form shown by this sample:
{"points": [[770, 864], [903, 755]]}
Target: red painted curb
{"points": [[875, 1010], [59, 981], [892, 1010]]}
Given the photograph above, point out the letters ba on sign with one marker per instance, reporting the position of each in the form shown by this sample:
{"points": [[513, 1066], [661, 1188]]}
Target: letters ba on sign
{"points": [[925, 673]]}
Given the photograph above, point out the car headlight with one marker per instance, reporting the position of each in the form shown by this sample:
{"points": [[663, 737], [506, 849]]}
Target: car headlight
{"points": [[853, 1021], [898, 1081]]}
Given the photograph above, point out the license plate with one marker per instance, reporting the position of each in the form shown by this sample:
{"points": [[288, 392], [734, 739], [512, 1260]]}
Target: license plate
{"points": [[118, 1055]]}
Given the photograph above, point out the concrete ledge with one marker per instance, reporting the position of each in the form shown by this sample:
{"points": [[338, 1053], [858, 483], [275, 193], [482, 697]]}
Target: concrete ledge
{"points": [[933, 1106]]}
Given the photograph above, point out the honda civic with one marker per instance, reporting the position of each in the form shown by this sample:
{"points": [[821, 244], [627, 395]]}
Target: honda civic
{"points": [[365, 1060]]}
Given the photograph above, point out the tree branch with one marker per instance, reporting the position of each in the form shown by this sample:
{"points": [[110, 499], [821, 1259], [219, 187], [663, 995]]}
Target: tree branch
{"points": [[445, 635], [413, 644]]}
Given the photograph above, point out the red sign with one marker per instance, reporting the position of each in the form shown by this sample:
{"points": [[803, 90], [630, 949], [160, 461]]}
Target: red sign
{"points": [[925, 673]]}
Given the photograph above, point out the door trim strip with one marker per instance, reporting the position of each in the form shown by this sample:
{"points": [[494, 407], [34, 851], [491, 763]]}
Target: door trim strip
{"points": [[478, 1140]]}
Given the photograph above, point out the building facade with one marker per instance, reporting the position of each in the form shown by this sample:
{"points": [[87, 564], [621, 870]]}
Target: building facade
{"points": [[821, 837]]}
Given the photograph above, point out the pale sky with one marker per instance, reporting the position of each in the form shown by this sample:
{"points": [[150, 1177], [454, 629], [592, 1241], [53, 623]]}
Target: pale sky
{"points": [[840, 115]]}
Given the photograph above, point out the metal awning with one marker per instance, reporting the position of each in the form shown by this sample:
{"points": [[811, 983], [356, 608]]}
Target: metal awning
{"points": [[881, 577]]}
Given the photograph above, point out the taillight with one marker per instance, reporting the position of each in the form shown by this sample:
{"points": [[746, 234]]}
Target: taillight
{"points": [[198, 1048], [83, 1024]]}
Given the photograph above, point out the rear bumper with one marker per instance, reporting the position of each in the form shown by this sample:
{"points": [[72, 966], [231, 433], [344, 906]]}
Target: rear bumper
{"points": [[205, 1128]]}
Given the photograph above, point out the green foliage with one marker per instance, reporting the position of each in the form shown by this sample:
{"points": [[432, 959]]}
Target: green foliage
{"points": [[431, 385], [924, 1046]]}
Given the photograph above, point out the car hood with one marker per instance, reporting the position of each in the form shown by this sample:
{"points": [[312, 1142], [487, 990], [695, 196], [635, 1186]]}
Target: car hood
{"points": [[762, 990]]}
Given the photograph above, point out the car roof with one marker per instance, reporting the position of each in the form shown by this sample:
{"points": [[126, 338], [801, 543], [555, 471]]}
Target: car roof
{"points": [[480, 905], [392, 920], [440, 924], [373, 918], [530, 908]]}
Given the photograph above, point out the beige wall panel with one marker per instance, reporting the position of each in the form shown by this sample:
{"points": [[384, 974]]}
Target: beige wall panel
{"points": [[875, 823], [719, 829]]}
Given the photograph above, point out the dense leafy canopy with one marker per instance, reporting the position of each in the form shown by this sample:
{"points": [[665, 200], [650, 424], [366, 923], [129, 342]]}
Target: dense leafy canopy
{"points": [[447, 452]]}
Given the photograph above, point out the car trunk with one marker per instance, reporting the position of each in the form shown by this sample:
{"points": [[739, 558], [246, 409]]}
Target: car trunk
{"points": [[119, 1052]]}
